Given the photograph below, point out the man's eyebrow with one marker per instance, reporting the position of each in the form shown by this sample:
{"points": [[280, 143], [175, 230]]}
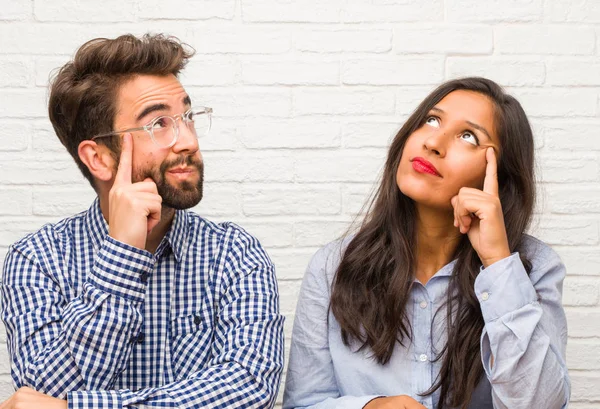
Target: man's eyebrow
{"points": [[187, 100], [150, 109]]}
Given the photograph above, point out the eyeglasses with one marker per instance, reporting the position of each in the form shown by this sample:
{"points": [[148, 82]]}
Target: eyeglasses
{"points": [[164, 130]]}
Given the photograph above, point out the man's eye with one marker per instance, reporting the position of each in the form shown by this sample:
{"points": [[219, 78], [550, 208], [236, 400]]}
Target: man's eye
{"points": [[433, 121], [160, 123]]}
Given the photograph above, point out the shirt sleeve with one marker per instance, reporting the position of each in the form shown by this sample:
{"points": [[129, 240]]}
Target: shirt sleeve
{"points": [[58, 344], [247, 348], [525, 334], [311, 381]]}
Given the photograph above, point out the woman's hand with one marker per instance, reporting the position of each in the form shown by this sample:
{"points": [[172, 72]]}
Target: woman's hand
{"points": [[478, 213], [394, 402]]}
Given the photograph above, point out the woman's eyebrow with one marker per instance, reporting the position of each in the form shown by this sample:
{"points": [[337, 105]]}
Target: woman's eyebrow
{"points": [[480, 128]]}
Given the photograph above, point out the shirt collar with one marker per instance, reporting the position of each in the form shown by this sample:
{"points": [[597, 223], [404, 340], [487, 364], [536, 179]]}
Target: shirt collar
{"points": [[178, 233], [97, 228]]}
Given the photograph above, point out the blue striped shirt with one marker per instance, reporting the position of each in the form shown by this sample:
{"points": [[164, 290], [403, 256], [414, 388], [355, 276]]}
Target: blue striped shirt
{"points": [[107, 325]]}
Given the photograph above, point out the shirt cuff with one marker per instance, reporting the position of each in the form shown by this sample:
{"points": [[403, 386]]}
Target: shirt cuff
{"points": [[504, 287], [121, 270], [94, 399]]}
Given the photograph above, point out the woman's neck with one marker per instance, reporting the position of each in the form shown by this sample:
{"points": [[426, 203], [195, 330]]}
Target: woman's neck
{"points": [[437, 239]]}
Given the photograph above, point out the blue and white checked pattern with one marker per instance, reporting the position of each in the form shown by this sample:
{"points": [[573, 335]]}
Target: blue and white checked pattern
{"points": [[107, 325]]}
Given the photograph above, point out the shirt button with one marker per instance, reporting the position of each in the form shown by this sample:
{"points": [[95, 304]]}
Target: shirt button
{"points": [[140, 338], [144, 277], [423, 304], [485, 295], [423, 358], [197, 320]]}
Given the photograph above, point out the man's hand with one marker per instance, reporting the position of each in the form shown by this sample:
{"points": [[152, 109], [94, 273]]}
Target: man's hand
{"points": [[392, 402], [27, 398], [134, 208]]}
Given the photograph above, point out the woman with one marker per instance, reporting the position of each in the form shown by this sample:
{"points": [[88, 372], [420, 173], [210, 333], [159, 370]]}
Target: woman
{"points": [[439, 300]]}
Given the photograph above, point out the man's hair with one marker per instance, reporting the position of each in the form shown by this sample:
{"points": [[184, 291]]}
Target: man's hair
{"points": [[83, 94]]}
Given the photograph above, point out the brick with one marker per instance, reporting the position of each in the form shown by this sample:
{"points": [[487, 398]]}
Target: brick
{"points": [[211, 70], [557, 102], [340, 166], [86, 11], [6, 387], [15, 228], [584, 387], [15, 201], [44, 140], [63, 202], [35, 172], [369, 133], [358, 11], [318, 233], [506, 71], [574, 11], [581, 291], [408, 99], [566, 230], [583, 354], [15, 10], [573, 72], [559, 135], [291, 71], [223, 136], [15, 72], [291, 263], [421, 39], [568, 168], [574, 200], [242, 102], [270, 234], [185, 10], [579, 320], [254, 168], [2, 331], [394, 71], [542, 39], [341, 40], [4, 361], [242, 40], [47, 67], [288, 296], [291, 200], [309, 11], [220, 200], [310, 132], [14, 135], [22, 103], [459, 11], [580, 260], [357, 197], [308, 101]]}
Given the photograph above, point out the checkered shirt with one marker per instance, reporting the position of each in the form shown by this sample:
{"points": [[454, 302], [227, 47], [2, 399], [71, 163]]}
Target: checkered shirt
{"points": [[106, 325]]}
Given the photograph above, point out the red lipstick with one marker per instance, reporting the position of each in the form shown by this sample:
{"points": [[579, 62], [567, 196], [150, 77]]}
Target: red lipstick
{"points": [[423, 166]]}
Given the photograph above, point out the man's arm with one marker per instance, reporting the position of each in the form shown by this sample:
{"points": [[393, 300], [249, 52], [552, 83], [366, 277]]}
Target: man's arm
{"points": [[57, 344], [247, 348]]}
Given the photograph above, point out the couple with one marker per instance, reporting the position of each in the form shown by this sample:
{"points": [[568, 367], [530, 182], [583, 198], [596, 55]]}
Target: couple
{"points": [[439, 299]]}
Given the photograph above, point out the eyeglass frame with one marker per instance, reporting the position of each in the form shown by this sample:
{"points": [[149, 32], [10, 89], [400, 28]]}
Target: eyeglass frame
{"points": [[148, 127]]}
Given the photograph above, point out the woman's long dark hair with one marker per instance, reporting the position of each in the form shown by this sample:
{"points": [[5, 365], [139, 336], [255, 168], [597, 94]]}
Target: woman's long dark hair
{"points": [[373, 281]]}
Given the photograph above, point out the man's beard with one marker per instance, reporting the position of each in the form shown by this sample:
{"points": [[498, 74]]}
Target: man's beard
{"points": [[186, 194]]}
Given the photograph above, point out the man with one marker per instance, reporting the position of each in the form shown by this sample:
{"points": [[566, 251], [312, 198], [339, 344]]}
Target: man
{"points": [[137, 302]]}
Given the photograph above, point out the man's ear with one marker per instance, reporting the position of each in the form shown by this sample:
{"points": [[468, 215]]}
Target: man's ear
{"points": [[98, 159]]}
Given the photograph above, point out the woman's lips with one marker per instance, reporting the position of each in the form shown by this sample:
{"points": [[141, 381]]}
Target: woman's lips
{"points": [[423, 166]]}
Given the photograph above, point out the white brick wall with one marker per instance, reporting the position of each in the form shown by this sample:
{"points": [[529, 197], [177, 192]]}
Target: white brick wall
{"points": [[307, 94]]}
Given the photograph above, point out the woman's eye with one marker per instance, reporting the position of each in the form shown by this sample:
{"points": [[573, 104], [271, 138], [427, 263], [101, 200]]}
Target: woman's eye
{"points": [[433, 121], [469, 137]]}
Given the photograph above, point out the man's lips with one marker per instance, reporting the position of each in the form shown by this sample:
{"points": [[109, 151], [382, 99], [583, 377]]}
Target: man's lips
{"points": [[423, 166]]}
